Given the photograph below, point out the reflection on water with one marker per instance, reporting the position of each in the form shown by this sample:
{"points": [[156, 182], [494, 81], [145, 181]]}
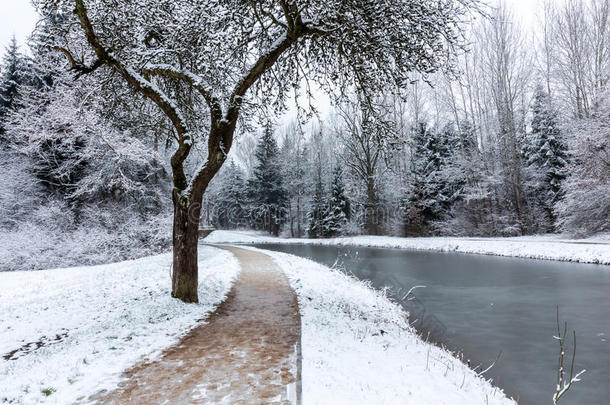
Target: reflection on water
{"points": [[496, 308]]}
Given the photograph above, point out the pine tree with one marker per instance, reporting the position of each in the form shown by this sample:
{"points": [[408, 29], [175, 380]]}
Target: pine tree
{"points": [[546, 156], [267, 196], [338, 208], [469, 206], [13, 75], [450, 180], [430, 193]]}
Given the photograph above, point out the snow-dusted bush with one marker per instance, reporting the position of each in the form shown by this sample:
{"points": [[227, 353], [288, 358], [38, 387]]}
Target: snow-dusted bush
{"points": [[77, 186], [18, 190], [585, 209]]}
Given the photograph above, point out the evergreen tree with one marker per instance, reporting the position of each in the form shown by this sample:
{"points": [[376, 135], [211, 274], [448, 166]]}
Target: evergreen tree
{"points": [[338, 209], [469, 210], [267, 196], [39, 116], [78, 155], [13, 74], [546, 157], [450, 181], [430, 192]]}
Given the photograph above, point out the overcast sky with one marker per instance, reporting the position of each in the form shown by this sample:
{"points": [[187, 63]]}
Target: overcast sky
{"points": [[17, 17]]}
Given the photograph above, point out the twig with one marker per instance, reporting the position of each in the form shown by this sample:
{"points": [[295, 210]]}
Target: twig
{"points": [[564, 385]]}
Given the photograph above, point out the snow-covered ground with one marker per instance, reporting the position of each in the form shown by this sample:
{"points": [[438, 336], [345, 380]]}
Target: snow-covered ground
{"points": [[594, 250], [358, 347], [94, 322]]}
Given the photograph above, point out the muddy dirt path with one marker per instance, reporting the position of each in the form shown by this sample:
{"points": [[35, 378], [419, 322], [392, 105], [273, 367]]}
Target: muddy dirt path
{"points": [[246, 353]]}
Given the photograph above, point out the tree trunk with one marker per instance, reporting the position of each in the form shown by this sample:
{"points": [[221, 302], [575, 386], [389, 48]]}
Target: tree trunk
{"points": [[299, 233], [185, 240], [372, 206], [291, 218]]}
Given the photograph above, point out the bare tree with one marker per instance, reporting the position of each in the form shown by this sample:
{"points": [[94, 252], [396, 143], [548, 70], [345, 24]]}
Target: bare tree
{"points": [[294, 162], [581, 30], [546, 45], [508, 76], [366, 140], [205, 64], [573, 44], [600, 37]]}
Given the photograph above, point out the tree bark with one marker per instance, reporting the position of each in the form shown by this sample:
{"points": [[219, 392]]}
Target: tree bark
{"points": [[185, 240], [187, 214], [299, 232], [372, 206], [291, 219]]}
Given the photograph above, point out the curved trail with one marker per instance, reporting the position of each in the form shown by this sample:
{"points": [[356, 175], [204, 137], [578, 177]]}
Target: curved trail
{"points": [[246, 353]]}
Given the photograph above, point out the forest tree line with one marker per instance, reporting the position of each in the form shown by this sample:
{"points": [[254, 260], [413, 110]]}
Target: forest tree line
{"points": [[515, 141], [517, 144]]}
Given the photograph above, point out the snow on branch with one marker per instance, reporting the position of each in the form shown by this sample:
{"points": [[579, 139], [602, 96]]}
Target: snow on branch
{"points": [[147, 88], [188, 76]]}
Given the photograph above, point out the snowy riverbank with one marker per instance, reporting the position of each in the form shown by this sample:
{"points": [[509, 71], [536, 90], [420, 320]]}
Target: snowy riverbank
{"points": [[359, 349], [535, 247], [67, 333], [92, 323]]}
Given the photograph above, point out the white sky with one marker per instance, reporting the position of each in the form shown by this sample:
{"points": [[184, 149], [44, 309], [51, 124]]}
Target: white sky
{"points": [[525, 11], [17, 17]]}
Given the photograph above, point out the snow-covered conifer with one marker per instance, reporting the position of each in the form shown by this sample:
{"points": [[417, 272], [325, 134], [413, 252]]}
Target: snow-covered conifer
{"points": [[429, 191], [13, 73], [338, 208], [266, 192], [318, 208], [546, 157]]}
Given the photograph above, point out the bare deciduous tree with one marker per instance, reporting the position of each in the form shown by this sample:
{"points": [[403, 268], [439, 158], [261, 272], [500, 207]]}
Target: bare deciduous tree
{"points": [[205, 64], [508, 76], [366, 140], [581, 30]]}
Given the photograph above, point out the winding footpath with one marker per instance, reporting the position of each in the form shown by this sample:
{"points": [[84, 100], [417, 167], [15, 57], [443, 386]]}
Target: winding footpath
{"points": [[247, 352]]}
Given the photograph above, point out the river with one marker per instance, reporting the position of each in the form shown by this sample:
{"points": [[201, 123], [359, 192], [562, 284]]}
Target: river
{"points": [[496, 310]]}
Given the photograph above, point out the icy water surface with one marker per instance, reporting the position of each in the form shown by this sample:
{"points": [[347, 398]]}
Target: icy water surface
{"points": [[497, 308]]}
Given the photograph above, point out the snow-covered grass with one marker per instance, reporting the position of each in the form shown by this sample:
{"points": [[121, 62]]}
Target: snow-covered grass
{"points": [[105, 318], [358, 347], [596, 250], [72, 332]]}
